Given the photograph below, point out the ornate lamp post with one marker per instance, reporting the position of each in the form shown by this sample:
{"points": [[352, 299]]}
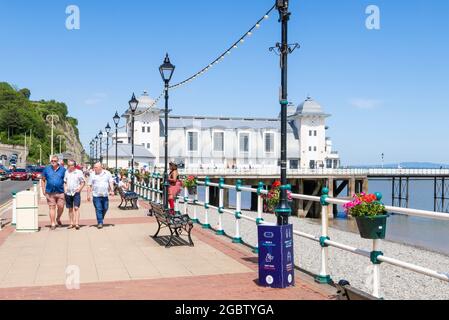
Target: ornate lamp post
{"points": [[383, 160], [166, 70], [91, 144], [116, 122], [133, 103], [108, 131], [96, 148], [100, 136], [283, 210]]}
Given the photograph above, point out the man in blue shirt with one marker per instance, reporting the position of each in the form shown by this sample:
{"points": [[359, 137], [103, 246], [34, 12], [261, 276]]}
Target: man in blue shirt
{"points": [[52, 185]]}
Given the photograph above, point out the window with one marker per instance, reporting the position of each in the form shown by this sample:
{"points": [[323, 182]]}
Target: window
{"points": [[314, 148], [148, 146], [310, 148], [143, 129], [192, 143], [148, 129], [294, 164], [244, 142], [310, 133], [269, 142], [219, 141], [314, 133]]}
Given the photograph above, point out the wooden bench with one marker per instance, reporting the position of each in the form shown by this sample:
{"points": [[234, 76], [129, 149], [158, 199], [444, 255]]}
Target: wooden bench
{"points": [[175, 223], [131, 199], [346, 292]]}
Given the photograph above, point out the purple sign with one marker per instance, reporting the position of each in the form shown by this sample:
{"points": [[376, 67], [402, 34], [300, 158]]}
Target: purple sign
{"points": [[276, 260]]}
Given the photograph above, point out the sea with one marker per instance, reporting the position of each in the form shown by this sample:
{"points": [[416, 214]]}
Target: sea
{"points": [[424, 233]]}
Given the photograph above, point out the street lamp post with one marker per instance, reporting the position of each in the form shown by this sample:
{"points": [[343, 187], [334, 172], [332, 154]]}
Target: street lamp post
{"points": [[283, 210], [91, 144], [383, 160], [108, 130], [96, 148], [52, 118], [166, 70], [100, 136], [40, 154], [116, 122], [60, 143], [133, 103]]}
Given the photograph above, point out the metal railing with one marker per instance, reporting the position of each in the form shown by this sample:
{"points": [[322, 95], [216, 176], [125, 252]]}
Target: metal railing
{"points": [[274, 171], [153, 192]]}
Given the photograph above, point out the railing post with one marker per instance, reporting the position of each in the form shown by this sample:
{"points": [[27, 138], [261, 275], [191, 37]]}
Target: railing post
{"points": [[206, 224], [14, 208], [195, 208], [158, 194], [376, 263], [153, 186], [186, 199], [238, 212], [177, 211], [324, 276], [259, 219], [220, 230]]}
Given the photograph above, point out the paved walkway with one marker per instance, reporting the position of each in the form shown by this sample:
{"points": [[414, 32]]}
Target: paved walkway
{"points": [[122, 261]]}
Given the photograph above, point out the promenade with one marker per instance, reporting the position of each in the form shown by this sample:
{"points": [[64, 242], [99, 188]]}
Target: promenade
{"points": [[122, 261]]}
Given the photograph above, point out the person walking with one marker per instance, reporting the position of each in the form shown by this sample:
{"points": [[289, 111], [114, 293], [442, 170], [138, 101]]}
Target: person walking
{"points": [[73, 185], [100, 185], [52, 185]]}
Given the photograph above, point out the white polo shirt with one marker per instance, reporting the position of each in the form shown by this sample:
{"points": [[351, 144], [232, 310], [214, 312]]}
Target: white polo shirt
{"points": [[100, 183], [73, 180]]}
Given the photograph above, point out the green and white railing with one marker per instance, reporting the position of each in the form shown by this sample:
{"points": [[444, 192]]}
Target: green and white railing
{"points": [[375, 255]]}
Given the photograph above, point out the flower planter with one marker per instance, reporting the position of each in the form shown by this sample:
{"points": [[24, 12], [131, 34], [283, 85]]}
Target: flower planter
{"points": [[192, 190], [372, 227]]}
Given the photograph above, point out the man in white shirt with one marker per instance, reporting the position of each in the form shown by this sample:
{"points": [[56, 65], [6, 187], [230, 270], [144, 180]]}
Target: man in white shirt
{"points": [[73, 185], [101, 184]]}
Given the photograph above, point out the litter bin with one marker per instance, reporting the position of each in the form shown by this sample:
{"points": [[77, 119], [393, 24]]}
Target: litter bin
{"points": [[276, 261], [27, 212]]}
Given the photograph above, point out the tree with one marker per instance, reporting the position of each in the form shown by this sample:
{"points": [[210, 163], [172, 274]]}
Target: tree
{"points": [[26, 93]]}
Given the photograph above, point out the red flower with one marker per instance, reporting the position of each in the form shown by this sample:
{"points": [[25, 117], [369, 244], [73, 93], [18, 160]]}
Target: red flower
{"points": [[276, 184]]}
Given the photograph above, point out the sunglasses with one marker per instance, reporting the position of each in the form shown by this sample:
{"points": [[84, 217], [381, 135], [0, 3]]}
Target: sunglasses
{"points": [[53, 161]]}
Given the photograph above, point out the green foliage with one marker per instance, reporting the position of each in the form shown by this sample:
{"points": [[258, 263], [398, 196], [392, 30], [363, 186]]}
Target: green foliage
{"points": [[19, 115]]}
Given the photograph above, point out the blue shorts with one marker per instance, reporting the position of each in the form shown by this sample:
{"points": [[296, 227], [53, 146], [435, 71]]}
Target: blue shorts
{"points": [[73, 201]]}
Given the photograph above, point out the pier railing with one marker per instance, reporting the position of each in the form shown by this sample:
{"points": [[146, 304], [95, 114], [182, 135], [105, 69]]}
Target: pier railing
{"points": [[275, 171], [153, 192]]}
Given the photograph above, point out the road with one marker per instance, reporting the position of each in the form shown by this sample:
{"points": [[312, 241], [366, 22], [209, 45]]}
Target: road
{"points": [[8, 186]]}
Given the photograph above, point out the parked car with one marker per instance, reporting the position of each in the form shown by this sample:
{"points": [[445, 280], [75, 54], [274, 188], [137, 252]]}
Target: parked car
{"points": [[6, 173], [36, 173], [3, 175], [20, 174]]}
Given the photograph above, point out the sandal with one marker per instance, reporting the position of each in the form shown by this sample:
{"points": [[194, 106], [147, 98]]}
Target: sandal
{"points": [[59, 222], [53, 228], [71, 226], [77, 227]]}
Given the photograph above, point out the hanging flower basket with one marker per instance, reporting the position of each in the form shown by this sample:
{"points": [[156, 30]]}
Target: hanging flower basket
{"points": [[370, 215], [273, 197], [191, 184]]}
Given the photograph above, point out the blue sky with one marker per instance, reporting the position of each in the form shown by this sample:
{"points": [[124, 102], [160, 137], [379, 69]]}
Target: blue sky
{"points": [[387, 89]]}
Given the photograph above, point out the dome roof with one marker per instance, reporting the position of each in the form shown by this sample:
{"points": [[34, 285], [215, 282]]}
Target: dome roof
{"points": [[309, 106], [145, 101]]}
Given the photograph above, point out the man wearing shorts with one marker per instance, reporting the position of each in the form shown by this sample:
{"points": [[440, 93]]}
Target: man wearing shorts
{"points": [[73, 185], [52, 185], [100, 186]]}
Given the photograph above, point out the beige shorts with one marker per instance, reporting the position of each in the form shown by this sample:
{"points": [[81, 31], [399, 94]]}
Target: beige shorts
{"points": [[55, 199]]}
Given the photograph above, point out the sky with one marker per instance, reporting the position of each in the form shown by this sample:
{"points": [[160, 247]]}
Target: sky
{"points": [[387, 89]]}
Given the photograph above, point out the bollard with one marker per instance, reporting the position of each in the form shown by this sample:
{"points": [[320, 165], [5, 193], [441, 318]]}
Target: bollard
{"points": [[14, 208], [220, 230], [324, 277], [206, 224], [237, 238]]}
